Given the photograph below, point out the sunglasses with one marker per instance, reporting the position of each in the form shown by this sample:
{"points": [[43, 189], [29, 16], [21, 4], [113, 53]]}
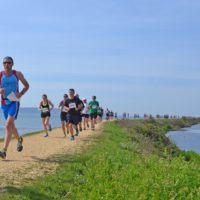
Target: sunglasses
{"points": [[7, 62]]}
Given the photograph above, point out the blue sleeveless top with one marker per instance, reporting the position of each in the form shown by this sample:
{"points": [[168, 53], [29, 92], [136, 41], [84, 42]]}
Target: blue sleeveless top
{"points": [[10, 84]]}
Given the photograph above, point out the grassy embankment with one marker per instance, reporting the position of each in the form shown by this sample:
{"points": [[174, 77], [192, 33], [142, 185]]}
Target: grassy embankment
{"points": [[130, 160]]}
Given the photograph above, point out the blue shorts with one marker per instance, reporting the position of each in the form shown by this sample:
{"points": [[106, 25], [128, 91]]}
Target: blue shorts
{"points": [[10, 110]]}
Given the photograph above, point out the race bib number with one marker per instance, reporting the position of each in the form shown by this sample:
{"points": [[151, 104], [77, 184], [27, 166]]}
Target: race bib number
{"points": [[72, 105], [44, 110], [94, 106], [64, 109]]}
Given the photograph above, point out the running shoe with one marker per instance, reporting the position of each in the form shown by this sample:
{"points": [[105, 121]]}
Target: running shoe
{"points": [[77, 133], [3, 154], [50, 129], [72, 138], [19, 144], [46, 135]]}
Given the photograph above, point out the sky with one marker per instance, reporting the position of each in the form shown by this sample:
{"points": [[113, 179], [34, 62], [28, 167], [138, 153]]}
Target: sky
{"points": [[136, 56]]}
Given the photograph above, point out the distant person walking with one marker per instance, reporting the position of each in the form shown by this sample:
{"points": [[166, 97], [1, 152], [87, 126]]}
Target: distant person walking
{"points": [[10, 95], [45, 107], [111, 115], [100, 113], [93, 106], [63, 115], [107, 114]]}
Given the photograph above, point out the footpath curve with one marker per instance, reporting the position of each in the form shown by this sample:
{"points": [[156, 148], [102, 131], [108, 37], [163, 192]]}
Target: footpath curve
{"points": [[35, 159]]}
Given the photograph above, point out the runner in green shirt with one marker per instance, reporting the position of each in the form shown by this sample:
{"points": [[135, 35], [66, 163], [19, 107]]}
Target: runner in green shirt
{"points": [[93, 110]]}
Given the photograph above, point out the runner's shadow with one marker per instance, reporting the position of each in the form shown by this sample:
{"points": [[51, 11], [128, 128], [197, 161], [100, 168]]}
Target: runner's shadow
{"points": [[91, 139], [54, 159], [27, 192], [61, 137], [10, 161]]}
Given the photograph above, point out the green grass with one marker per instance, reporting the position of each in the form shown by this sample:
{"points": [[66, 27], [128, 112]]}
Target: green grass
{"points": [[130, 160]]}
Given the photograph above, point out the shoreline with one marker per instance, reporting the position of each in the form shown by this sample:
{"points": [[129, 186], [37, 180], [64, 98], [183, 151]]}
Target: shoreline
{"points": [[56, 158], [186, 139]]}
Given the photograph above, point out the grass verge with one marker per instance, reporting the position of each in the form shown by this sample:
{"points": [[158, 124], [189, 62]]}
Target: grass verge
{"points": [[130, 160]]}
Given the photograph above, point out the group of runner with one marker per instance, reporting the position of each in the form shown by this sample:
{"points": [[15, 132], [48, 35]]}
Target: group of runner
{"points": [[110, 114], [75, 113], [73, 110]]}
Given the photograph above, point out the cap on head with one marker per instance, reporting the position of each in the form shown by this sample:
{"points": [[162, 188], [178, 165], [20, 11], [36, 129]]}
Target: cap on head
{"points": [[8, 58], [94, 97], [65, 95], [84, 99]]}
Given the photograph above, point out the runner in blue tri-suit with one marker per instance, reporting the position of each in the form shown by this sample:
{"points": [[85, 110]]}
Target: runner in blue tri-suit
{"points": [[9, 90]]}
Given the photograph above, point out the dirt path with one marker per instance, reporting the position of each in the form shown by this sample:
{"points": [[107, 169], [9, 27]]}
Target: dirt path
{"points": [[35, 159]]}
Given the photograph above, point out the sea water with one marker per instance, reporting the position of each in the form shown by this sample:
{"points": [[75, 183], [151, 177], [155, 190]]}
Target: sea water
{"points": [[29, 121], [186, 139]]}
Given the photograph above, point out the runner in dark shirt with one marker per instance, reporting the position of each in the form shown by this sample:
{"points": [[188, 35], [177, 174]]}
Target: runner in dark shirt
{"points": [[45, 107], [63, 115], [73, 106], [80, 114]]}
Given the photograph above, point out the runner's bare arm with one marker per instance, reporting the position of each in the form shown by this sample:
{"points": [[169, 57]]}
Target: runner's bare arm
{"points": [[60, 104], [51, 104], [40, 106], [25, 84], [80, 106], [2, 91]]}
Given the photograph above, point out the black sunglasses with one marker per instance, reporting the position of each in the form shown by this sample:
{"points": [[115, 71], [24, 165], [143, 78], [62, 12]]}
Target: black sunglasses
{"points": [[7, 62]]}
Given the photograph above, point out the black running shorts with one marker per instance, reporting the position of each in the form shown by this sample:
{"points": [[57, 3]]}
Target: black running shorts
{"points": [[63, 116], [46, 114], [73, 119], [93, 115]]}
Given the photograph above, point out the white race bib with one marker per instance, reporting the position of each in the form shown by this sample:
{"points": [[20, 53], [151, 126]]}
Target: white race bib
{"points": [[44, 110], [72, 105], [94, 106], [12, 97]]}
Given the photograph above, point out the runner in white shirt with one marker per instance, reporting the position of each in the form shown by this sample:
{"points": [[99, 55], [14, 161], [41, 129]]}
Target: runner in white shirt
{"points": [[85, 114]]}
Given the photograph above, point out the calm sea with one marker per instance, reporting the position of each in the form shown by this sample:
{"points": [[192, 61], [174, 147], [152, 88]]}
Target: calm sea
{"points": [[29, 121], [187, 139]]}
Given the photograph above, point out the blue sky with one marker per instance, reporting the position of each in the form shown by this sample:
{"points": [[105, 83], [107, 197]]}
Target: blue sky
{"points": [[139, 56]]}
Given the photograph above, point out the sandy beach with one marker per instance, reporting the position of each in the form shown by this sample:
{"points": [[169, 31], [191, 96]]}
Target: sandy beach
{"points": [[39, 155]]}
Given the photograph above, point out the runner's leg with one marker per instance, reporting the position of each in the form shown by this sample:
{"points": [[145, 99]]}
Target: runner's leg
{"points": [[8, 127], [84, 122], [63, 127], [45, 127]]}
